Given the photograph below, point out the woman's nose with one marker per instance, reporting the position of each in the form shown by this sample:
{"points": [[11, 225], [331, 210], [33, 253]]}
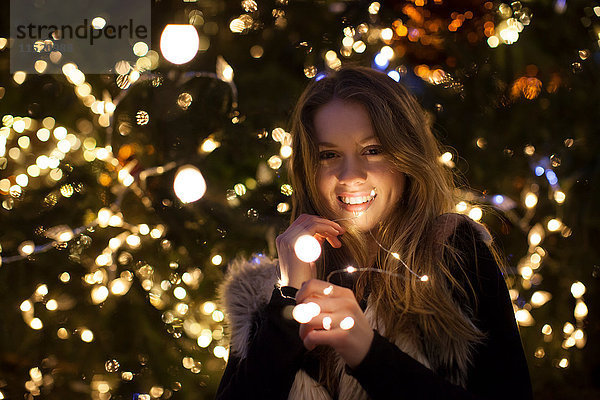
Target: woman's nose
{"points": [[352, 172]]}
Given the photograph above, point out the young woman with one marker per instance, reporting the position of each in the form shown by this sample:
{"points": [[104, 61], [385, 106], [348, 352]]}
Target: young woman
{"points": [[425, 314]]}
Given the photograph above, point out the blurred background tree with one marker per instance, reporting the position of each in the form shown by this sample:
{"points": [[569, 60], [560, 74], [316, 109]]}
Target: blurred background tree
{"points": [[110, 260]]}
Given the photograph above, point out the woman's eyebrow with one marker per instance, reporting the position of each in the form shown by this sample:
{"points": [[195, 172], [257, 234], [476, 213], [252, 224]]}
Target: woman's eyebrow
{"points": [[327, 144]]}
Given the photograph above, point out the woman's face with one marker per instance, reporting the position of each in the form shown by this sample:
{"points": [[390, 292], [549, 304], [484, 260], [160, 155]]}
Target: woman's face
{"points": [[353, 166]]}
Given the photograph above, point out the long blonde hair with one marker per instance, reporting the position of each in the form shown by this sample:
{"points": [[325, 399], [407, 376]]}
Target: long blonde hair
{"points": [[401, 304]]}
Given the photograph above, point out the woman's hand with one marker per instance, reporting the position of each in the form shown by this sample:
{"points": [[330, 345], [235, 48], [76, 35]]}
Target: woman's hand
{"points": [[341, 323], [293, 271]]}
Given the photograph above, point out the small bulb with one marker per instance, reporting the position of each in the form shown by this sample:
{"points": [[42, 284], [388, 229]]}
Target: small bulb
{"points": [[347, 323], [327, 323], [179, 43], [577, 289], [87, 335], [305, 312], [307, 248], [189, 184], [327, 291]]}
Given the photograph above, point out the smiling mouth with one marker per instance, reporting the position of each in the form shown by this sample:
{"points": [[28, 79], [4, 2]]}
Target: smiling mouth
{"points": [[356, 203]]}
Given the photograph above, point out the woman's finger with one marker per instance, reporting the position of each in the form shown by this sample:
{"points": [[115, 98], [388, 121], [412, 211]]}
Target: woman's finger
{"points": [[318, 288]]}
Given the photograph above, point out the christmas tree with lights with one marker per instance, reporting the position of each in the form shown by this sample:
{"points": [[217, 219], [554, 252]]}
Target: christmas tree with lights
{"points": [[124, 196]]}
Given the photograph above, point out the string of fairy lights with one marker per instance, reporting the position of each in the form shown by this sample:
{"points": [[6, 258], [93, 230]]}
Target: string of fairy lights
{"points": [[32, 152]]}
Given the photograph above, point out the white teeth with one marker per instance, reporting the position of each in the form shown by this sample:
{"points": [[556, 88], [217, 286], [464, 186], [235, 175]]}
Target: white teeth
{"points": [[356, 200]]}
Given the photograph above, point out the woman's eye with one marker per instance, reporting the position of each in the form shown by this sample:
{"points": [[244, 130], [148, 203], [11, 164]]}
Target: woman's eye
{"points": [[325, 155], [375, 150]]}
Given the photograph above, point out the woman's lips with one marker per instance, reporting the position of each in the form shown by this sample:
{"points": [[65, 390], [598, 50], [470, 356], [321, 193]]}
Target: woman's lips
{"points": [[355, 207]]}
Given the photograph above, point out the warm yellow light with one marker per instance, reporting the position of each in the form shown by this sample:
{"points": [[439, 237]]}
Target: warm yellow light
{"points": [[217, 260], [220, 352], [461, 207], [475, 213], [554, 225], [120, 286], [577, 289], [99, 294], [26, 306], [387, 34], [42, 290], [531, 200], [493, 41], [526, 272], [209, 145], [359, 46], [86, 335], [305, 312], [547, 329], [189, 184], [26, 248], [133, 240], [524, 318], [540, 298], [218, 316], [570, 342], [568, 328], [387, 52], [327, 323], [564, 363], [179, 293], [104, 215], [103, 259], [581, 310], [36, 324], [307, 248], [52, 305], [144, 229], [347, 323], [536, 235], [179, 43], [208, 307], [285, 151], [559, 197]]}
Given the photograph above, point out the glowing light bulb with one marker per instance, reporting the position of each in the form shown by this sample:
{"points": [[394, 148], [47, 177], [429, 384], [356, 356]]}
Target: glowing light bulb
{"points": [[327, 291], [540, 298], [554, 225], [347, 323], [179, 43], [52, 305], [307, 248], [327, 323], [87, 335], [524, 318], [26, 306], [304, 312], [189, 184], [99, 294], [36, 324], [120, 286], [26, 248], [531, 200], [577, 289], [581, 310]]}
